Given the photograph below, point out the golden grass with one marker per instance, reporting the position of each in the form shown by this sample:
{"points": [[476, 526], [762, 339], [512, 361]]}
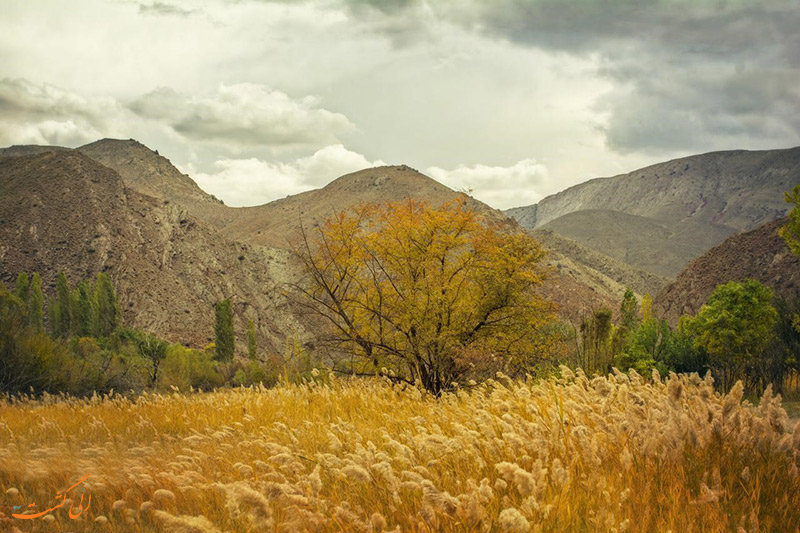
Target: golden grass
{"points": [[573, 454]]}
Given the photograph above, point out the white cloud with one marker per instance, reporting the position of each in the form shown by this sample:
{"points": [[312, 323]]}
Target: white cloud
{"points": [[245, 114], [245, 182], [33, 113], [523, 183]]}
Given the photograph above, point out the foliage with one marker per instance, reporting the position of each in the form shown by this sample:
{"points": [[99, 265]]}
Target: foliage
{"points": [[23, 287], [560, 455], [781, 357], [150, 347], [655, 345], [61, 308], [596, 348], [251, 339], [108, 311], [184, 369], [36, 304], [433, 294], [734, 327], [223, 331], [791, 231]]}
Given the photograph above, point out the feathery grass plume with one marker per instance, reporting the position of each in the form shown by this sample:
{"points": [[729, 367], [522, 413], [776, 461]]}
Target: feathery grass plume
{"points": [[243, 500], [185, 523], [511, 520]]}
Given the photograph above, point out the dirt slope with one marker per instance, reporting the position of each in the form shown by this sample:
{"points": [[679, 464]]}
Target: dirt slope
{"points": [[759, 254]]}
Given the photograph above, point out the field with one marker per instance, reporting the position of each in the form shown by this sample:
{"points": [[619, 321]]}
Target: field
{"points": [[619, 453]]}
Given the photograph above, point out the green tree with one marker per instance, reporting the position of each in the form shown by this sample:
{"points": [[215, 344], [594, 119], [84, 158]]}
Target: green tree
{"points": [[628, 317], [734, 327], [791, 231], [647, 307], [251, 339], [62, 312], [628, 322], [108, 312], [36, 304], [596, 334], [150, 347], [23, 287], [85, 310], [434, 294], [223, 331]]}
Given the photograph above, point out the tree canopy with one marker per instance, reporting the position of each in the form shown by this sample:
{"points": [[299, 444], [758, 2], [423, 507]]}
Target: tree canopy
{"points": [[223, 331], [735, 326], [431, 294]]}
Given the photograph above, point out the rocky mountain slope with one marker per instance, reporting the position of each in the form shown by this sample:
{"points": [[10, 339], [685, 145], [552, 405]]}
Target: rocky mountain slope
{"points": [[61, 210], [596, 269], [660, 217], [759, 254]]}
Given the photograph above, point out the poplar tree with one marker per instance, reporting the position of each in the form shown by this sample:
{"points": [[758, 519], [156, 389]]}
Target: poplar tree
{"points": [[108, 313], [62, 313], [23, 287], [251, 339], [223, 331], [86, 313], [36, 304]]}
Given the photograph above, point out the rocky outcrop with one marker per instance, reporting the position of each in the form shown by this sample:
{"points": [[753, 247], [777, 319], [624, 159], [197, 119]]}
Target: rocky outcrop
{"points": [[63, 211]]}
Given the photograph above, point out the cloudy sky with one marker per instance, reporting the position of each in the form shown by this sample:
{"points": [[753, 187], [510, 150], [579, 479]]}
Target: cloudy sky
{"points": [[513, 99]]}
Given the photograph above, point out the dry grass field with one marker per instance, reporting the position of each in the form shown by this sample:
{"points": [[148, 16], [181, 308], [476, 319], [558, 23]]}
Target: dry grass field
{"points": [[619, 453]]}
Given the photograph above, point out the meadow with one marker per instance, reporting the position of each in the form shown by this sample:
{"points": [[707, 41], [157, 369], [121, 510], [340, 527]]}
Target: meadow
{"points": [[571, 453]]}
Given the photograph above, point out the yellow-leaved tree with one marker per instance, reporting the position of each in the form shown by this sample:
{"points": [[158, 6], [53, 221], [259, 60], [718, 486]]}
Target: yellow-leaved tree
{"points": [[433, 295]]}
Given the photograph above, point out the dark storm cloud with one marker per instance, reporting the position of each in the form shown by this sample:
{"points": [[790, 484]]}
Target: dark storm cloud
{"points": [[687, 75]]}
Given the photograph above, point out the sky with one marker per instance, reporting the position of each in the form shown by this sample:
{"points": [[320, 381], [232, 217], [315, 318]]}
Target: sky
{"points": [[512, 100]]}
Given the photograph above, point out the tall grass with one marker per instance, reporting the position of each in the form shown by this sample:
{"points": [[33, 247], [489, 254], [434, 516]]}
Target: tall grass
{"points": [[616, 453]]}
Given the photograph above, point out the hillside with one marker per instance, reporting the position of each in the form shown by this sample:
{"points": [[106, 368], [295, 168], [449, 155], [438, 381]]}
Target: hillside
{"points": [[277, 223], [272, 227], [642, 242], [61, 210], [147, 172], [759, 254], [596, 269], [660, 217]]}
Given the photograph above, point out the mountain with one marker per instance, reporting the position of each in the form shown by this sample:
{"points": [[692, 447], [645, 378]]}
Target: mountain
{"points": [[758, 254], [173, 251], [660, 217], [602, 272], [279, 222], [62, 210]]}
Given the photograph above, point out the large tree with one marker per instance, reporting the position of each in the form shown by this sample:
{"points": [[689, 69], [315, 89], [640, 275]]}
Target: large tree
{"points": [[223, 331], [431, 294], [734, 327]]}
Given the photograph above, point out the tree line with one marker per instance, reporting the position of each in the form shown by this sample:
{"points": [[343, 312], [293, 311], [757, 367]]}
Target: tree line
{"points": [[76, 343]]}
